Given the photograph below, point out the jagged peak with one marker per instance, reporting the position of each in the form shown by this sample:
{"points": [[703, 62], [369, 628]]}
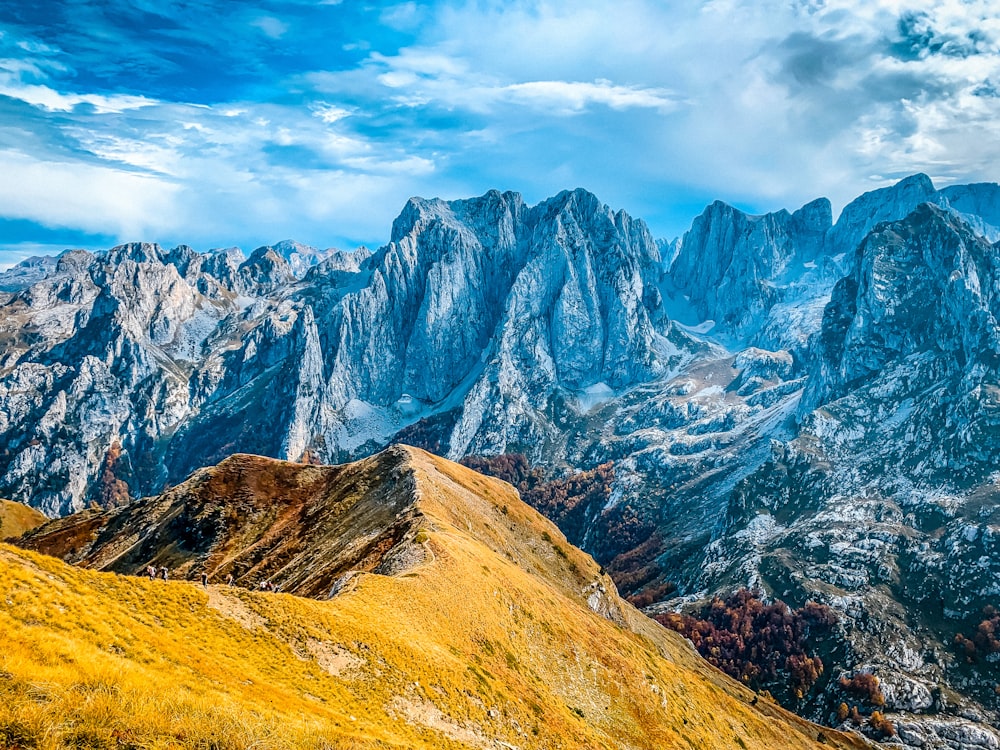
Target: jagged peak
{"points": [[578, 200], [266, 259], [419, 212], [140, 252], [915, 221], [293, 246], [232, 251], [69, 261], [816, 215], [917, 180], [265, 251], [817, 212], [915, 185]]}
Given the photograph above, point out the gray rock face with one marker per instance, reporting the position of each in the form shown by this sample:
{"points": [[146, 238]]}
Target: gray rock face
{"points": [[884, 503], [483, 310], [26, 273], [733, 268], [861, 215], [301, 258], [765, 280], [926, 285]]}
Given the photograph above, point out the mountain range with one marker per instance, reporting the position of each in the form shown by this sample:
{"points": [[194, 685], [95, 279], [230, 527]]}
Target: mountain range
{"points": [[790, 404]]}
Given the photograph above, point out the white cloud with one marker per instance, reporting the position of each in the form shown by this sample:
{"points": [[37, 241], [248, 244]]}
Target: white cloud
{"points": [[330, 113], [765, 103], [54, 101], [273, 27], [402, 17], [575, 96], [96, 199], [419, 78]]}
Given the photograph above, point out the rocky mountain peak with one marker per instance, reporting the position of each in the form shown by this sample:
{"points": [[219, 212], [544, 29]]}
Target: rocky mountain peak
{"points": [[815, 217], [306, 527], [139, 252], [301, 257], [925, 284], [264, 271], [891, 203], [977, 204], [731, 265]]}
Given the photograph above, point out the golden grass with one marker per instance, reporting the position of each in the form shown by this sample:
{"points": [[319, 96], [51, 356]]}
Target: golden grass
{"points": [[488, 645], [15, 519]]}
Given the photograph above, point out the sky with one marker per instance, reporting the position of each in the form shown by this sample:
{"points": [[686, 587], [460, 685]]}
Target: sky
{"points": [[217, 123]]}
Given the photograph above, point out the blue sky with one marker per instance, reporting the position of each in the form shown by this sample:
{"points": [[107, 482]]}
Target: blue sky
{"points": [[237, 123]]}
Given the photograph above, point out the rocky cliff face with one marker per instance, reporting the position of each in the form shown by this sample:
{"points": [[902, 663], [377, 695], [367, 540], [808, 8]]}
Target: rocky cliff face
{"points": [[884, 503], [479, 313], [764, 280], [733, 268]]}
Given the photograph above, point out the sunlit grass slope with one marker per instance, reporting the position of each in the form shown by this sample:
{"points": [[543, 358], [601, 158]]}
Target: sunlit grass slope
{"points": [[486, 641], [15, 519]]}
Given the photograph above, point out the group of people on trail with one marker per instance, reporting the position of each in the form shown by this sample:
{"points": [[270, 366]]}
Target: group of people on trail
{"points": [[163, 572]]}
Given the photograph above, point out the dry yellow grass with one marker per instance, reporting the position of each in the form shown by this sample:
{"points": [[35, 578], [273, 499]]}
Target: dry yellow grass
{"points": [[15, 519], [489, 643]]}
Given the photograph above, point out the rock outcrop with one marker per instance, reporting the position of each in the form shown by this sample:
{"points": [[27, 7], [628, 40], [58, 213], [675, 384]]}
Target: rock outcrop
{"points": [[884, 503]]}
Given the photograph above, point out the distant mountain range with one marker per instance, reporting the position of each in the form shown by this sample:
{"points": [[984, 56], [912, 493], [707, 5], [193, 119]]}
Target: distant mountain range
{"points": [[788, 403]]}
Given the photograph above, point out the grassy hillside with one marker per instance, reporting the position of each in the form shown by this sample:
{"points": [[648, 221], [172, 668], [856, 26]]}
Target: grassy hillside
{"points": [[485, 641], [15, 519]]}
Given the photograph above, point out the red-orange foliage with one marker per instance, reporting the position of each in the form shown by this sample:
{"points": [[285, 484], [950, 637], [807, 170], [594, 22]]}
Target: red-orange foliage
{"points": [[564, 500], [864, 685], [984, 641], [655, 592], [762, 645], [882, 726], [510, 467], [559, 498], [109, 490]]}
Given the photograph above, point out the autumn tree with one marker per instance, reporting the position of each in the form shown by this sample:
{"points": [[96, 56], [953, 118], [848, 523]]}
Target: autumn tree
{"points": [[764, 645]]}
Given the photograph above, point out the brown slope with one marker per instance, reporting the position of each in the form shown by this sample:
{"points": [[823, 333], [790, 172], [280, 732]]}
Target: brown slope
{"points": [[301, 527], [490, 631], [16, 519]]}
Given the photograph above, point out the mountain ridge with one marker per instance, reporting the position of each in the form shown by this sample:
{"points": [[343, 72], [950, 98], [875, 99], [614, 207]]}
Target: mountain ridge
{"points": [[496, 638]]}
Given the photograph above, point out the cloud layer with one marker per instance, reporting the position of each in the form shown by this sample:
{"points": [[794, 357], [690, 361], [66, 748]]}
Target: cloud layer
{"points": [[215, 123]]}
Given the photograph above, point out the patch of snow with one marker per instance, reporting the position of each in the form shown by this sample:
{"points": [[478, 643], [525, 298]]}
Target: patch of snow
{"points": [[712, 390], [593, 396], [191, 335], [407, 405], [700, 328]]}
